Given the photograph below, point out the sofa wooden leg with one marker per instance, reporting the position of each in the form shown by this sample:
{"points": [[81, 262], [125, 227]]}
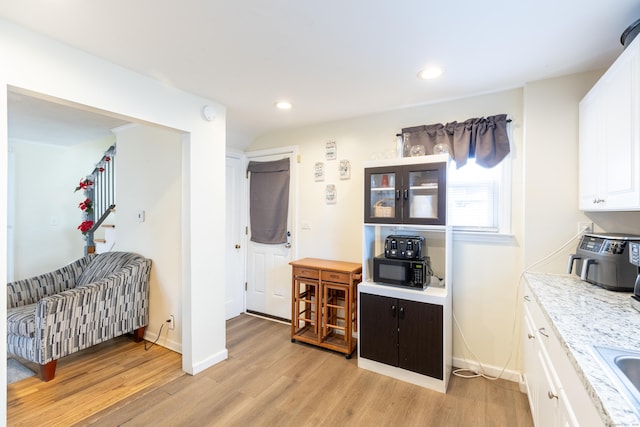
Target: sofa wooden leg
{"points": [[138, 334], [48, 371]]}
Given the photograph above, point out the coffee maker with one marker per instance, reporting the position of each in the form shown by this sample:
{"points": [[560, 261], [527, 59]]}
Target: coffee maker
{"points": [[634, 259]]}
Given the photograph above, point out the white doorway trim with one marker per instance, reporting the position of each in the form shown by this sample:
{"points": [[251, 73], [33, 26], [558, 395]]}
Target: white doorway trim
{"points": [[236, 229]]}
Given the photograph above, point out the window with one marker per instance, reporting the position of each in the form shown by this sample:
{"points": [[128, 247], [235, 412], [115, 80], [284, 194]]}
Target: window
{"points": [[480, 197]]}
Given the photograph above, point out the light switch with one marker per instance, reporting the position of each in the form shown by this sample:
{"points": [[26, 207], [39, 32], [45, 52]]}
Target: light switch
{"points": [[141, 216]]}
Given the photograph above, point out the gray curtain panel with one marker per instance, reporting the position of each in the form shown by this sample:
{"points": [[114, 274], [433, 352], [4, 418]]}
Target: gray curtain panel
{"points": [[269, 201], [486, 139]]}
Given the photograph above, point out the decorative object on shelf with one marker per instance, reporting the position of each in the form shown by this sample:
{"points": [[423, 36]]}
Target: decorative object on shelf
{"points": [[331, 150], [417, 150], [318, 171], [406, 144], [382, 210], [331, 194], [399, 146], [345, 169], [441, 148]]}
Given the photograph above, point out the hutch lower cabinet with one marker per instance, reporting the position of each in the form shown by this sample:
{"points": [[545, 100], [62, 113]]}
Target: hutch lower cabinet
{"points": [[402, 333], [406, 333]]}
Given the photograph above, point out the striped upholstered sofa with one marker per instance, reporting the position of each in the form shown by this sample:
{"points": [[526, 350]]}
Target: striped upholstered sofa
{"points": [[91, 300]]}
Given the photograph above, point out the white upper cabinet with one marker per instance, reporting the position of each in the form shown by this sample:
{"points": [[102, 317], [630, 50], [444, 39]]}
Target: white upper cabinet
{"points": [[609, 147]]}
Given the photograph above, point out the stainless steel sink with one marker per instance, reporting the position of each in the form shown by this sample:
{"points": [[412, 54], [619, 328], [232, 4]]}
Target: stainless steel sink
{"points": [[623, 366]]}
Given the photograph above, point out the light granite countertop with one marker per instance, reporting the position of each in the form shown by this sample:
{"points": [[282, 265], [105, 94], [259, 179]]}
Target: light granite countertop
{"points": [[582, 314]]}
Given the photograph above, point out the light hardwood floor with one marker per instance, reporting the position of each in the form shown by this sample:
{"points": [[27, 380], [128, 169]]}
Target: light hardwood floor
{"points": [[266, 381]]}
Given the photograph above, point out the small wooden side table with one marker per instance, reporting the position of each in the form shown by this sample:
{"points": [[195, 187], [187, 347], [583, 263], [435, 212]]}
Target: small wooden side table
{"points": [[324, 303]]}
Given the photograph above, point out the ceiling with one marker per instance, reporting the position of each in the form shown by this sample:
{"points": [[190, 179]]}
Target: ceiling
{"points": [[332, 59]]}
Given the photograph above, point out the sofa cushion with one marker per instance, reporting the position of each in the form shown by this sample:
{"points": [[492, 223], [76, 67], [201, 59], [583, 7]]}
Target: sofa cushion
{"points": [[22, 320], [104, 265]]}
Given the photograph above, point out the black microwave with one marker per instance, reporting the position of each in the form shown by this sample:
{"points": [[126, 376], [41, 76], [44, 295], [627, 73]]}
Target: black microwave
{"points": [[412, 273]]}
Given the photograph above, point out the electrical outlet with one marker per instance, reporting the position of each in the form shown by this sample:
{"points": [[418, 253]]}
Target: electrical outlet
{"points": [[585, 227], [172, 322]]}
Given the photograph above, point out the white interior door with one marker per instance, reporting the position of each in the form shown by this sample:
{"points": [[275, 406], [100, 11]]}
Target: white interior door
{"points": [[235, 238], [268, 270]]}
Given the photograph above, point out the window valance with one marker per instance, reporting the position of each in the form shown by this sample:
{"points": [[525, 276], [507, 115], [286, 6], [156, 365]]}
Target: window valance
{"points": [[486, 139]]}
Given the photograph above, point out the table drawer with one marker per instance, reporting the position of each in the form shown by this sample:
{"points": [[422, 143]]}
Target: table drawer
{"points": [[334, 276], [308, 273]]}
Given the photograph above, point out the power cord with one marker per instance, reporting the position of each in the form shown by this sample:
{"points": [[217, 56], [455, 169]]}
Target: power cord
{"points": [[158, 337], [481, 373]]}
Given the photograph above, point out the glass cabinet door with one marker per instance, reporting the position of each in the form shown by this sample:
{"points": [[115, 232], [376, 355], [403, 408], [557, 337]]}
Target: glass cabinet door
{"points": [[425, 195], [382, 196], [409, 194]]}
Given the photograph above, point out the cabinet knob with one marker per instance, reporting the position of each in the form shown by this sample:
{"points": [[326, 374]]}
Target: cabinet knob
{"points": [[527, 298], [551, 395], [237, 246], [531, 336]]}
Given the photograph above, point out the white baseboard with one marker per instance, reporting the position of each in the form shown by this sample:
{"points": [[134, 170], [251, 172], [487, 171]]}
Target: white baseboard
{"points": [[491, 371], [163, 342], [177, 347], [207, 363]]}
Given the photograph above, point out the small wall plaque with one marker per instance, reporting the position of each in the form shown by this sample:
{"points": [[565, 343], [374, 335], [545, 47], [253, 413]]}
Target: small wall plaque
{"points": [[331, 150], [331, 194], [345, 169], [318, 172]]}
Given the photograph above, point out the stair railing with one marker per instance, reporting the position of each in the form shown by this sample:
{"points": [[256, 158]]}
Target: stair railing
{"points": [[100, 197]]}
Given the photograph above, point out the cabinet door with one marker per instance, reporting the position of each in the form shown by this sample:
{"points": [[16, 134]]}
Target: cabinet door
{"points": [[621, 129], [547, 391], [531, 372], [589, 153], [420, 338], [424, 194], [382, 193], [379, 328], [609, 149]]}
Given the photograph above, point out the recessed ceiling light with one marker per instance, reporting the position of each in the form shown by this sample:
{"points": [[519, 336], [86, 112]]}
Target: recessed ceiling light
{"points": [[283, 105], [430, 73]]}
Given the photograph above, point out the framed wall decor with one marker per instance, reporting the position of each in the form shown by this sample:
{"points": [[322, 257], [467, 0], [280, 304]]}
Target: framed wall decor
{"points": [[331, 150], [331, 195], [318, 171], [345, 169]]}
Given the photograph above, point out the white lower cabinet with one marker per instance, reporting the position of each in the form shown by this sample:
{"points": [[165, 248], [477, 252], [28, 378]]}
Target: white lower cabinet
{"points": [[553, 387]]}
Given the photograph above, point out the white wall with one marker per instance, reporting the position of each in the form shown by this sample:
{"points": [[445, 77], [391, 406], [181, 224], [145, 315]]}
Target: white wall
{"points": [[43, 66], [46, 213], [551, 153], [551, 198], [485, 274], [149, 179]]}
